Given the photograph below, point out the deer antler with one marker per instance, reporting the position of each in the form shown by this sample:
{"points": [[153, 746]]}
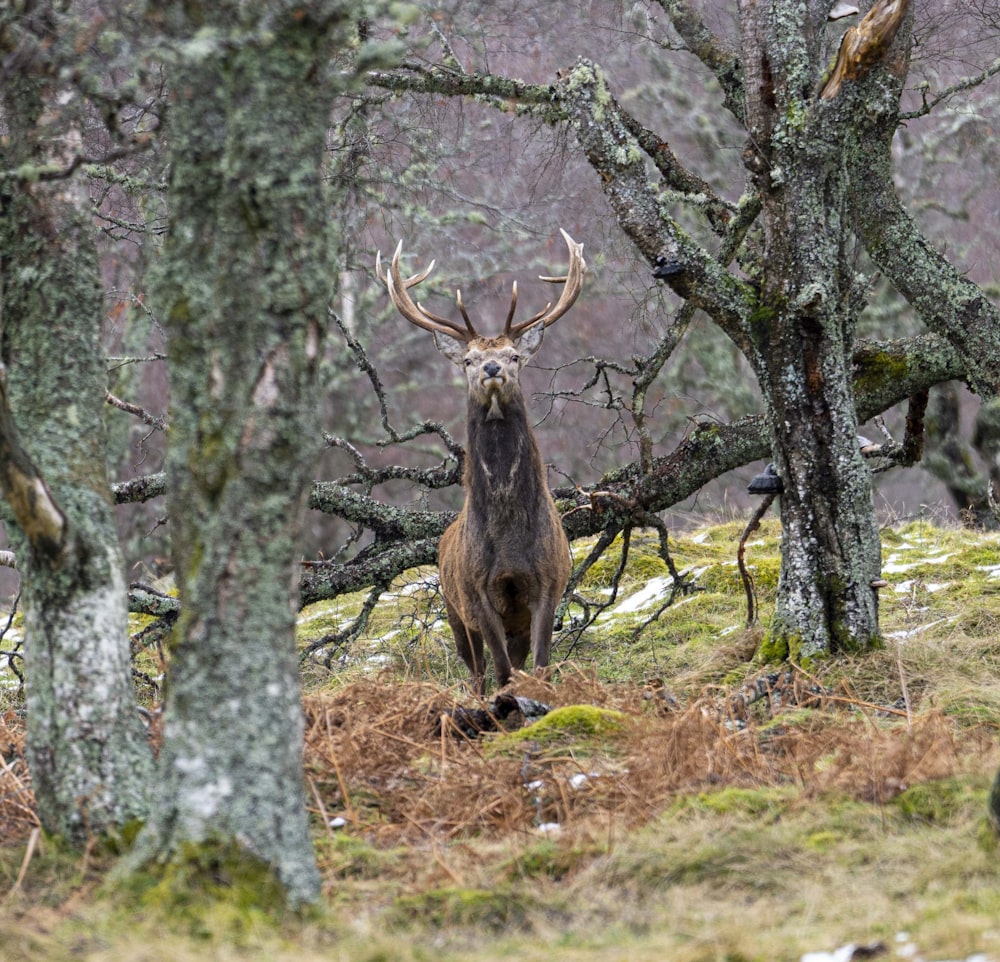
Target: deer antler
{"points": [[398, 289], [573, 281]]}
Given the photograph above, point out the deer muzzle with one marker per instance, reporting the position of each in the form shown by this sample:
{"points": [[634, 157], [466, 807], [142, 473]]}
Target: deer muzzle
{"points": [[492, 378]]}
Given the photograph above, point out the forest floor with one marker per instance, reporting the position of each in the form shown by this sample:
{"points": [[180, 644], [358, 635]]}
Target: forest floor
{"points": [[680, 801]]}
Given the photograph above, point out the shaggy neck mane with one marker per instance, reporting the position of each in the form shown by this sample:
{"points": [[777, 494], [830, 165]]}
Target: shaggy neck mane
{"points": [[503, 467]]}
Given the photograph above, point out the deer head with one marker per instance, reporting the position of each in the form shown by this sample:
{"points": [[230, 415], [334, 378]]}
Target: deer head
{"points": [[492, 364]]}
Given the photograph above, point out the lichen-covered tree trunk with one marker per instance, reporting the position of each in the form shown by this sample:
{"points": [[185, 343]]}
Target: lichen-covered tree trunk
{"points": [[802, 334], [245, 284], [91, 765]]}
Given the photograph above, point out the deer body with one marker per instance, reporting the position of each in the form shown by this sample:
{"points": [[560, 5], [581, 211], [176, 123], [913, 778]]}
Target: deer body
{"points": [[505, 560]]}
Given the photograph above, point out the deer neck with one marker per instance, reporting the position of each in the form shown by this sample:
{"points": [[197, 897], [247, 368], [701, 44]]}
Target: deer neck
{"points": [[503, 464]]}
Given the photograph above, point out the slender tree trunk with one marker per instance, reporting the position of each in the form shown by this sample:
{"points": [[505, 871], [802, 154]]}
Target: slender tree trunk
{"points": [[90, 762], [244, 293]]}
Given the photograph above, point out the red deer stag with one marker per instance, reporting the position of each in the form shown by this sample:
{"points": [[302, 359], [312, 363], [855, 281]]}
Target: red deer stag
{"points": [[505, 560]]}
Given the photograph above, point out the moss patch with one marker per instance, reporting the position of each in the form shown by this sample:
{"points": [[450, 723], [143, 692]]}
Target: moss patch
{"points": [[572, 723]]}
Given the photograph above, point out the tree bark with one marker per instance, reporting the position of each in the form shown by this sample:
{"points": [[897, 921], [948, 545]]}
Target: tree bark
{"points": [[802, 332], [91, 766], [793, 308], [245, 284]]}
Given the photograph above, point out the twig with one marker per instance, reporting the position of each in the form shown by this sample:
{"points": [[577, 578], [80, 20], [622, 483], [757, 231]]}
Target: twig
{"points": [[748, 586], [157, 423], [36, 834]]}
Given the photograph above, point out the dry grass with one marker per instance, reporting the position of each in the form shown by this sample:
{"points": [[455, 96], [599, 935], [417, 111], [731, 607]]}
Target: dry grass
{"points": [[851, 811], [374, 758]]}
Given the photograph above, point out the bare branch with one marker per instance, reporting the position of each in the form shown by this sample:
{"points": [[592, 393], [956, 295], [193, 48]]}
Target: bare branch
{"points": [[711, 51], [966, 83], [157, 423]]}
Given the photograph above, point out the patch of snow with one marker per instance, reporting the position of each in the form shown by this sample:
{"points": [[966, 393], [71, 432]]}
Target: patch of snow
{"points": [[549, 828], [337, 822], [700, 538], [844, 954], [916, 631], [993, 571], [305, 619], [645, 597], [895, 567], [651, 594], [903, 587], [427, 584]]}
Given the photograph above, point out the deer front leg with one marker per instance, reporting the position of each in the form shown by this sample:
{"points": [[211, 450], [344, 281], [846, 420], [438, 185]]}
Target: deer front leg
{"points": [[542, 617], [496, 641], [469, 644]]}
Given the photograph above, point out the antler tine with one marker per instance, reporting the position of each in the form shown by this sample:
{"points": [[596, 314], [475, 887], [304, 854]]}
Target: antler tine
{"points": [[417, 314], [513, 307], [465, 316], [573, 281]]}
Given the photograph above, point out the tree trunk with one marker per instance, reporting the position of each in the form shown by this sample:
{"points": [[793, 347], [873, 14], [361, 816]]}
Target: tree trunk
{"points": [[91, 766], [818, 153], [244, 291], [803, 336]]}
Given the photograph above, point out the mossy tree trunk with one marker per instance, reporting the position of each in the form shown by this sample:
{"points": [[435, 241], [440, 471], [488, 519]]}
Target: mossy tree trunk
{"points": [[244, 289], [801, 333], [818, 151], [90, 762]]}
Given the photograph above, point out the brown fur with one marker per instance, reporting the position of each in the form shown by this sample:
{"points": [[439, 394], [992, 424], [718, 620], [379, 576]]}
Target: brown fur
{"points": [[505, 560]]}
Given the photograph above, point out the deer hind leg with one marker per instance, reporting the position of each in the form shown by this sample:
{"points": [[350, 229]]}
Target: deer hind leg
{"points": [[518, 647]]}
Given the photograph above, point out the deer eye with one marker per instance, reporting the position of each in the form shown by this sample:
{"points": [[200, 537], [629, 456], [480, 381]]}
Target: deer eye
{"points": [[515, 358], [468, 362]]}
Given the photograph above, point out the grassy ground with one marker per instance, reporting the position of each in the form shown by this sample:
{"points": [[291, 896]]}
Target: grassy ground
{"points": [[667, 810]]}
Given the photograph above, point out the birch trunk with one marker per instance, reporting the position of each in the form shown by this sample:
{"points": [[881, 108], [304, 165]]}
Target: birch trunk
{"points": [[802, 332], [244, 290], [90, 762]]}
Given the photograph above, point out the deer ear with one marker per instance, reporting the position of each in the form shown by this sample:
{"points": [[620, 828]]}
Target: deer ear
{"points": [[530, 341], [455, 351]]}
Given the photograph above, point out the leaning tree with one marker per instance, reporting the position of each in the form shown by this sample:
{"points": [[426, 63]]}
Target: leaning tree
{"points": [[91, 764], [779, 277]]}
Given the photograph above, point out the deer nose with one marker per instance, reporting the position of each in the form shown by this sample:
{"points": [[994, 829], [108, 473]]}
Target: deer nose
{"points": [[491, 369]]}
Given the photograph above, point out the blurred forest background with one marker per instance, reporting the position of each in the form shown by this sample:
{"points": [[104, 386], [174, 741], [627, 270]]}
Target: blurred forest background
{"points": [[484, 192]]}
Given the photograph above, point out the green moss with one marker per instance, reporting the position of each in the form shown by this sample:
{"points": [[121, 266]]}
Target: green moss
{"points": [[744, 801], [880, 369], [570, 723], [643, 564], [823, 841], [215, 888], [773, 649], [495, 909], [551, 859], [940, 801], [348, 857]]}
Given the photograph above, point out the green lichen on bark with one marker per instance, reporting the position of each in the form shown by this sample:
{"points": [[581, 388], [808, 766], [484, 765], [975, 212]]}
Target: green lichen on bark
{"points": [[90, 763], [244, 283]]}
